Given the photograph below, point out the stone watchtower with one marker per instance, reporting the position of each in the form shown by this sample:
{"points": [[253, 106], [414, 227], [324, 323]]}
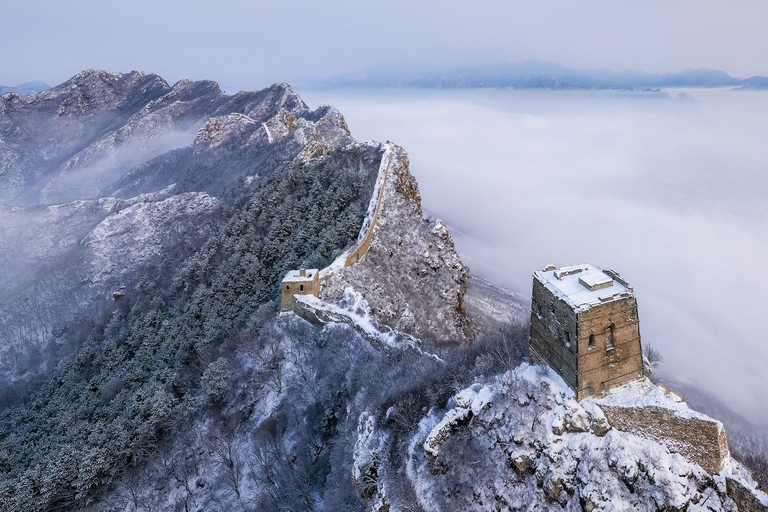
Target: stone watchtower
{"points": [[299, 282], [584, 325]]}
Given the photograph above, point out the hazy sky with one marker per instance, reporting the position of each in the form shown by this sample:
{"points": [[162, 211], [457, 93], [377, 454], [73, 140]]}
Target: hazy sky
{"points": [[252, 44]]}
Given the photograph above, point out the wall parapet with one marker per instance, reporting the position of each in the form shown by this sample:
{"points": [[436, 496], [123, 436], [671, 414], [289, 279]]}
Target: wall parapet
{"points": [[697, 438], [364, 242]]}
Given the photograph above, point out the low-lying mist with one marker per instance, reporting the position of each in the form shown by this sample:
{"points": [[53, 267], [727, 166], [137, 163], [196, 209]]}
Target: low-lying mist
{"points": [[672, 194]]}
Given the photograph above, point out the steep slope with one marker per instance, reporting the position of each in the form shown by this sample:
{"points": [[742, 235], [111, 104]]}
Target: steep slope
{"points": [[153, 371], [109, 134], [76, 140], [411, 275], [130, 305]]}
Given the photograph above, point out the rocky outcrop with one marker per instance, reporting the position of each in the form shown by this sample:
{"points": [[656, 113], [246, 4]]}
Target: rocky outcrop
{"points": [[410, 274], [521, 441], [80, 139]]}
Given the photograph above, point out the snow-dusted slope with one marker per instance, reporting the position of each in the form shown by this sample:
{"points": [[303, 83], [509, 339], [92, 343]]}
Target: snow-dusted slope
{"points": [[521, 441], [111, 176]]}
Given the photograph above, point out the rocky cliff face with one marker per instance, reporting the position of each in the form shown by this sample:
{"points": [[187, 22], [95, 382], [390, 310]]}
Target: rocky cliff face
{"points": [[411, 275], [77, 140]]}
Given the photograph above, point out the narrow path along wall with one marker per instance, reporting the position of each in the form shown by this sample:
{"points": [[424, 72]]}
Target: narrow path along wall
{"points": [[405, 266], [365, 242]]}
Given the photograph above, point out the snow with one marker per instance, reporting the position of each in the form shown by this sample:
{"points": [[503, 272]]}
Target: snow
{"points": [[136, 234], [377, 191], [354, 310], [568, 284], [269, 134], [534, 445], [594, 280], [644, 393], [294, 276], [340, 262]]}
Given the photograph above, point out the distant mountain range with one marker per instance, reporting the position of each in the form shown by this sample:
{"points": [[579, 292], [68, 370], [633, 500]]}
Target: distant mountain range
{"points": [[535, 75], [26, 88]]}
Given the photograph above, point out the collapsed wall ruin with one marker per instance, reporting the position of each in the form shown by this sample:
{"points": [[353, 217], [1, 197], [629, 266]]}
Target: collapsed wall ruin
{"points": [[650, 411]]}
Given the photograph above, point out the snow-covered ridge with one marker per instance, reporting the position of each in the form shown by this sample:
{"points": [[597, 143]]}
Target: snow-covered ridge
{"points": [[646, 394], [142, 231], [406, 267], [378, 188], [521, 441]]}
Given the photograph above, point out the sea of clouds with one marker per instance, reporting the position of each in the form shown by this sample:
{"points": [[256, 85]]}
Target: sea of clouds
{"points": [[672, 194]]}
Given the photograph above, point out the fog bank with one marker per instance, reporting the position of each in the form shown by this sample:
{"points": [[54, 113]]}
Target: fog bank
{"points": [[672, 195]]}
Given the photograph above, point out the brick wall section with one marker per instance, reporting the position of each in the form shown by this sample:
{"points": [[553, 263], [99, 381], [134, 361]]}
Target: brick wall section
{"points": [[553, 324], [744, 498], [699, 440], [605, 367]]}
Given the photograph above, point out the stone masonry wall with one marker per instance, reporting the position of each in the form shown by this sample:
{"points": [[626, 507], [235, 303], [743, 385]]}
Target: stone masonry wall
{"points": [[699, 440], [554, 333], [746, 499], [606, 366], [362, 247], [290, 289]]}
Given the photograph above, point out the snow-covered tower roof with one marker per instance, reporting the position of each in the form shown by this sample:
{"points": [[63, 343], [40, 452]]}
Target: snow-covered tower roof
{"points": [[585, 285]]}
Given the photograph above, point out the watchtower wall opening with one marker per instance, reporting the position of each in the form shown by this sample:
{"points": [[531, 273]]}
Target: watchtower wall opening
{"points": [[298, 282]]}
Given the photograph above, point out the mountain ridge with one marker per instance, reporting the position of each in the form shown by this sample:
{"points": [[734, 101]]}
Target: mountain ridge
{"points": [[26, 88], [533, 75]]}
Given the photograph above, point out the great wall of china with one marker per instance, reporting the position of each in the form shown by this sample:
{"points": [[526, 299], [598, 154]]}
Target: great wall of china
{"points": [[300, 289]]}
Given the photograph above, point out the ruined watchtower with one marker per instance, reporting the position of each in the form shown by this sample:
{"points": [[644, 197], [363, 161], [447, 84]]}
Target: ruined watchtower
{"points": [[299, 282], [584, 325]]}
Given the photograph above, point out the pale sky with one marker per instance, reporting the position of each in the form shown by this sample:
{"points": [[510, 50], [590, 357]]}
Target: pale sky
{"points": [[252, 44]]}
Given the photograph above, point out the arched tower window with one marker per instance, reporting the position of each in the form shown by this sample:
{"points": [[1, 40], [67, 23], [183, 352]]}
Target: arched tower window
{"points": [[591, 344], [287, 287], [301, 287], [610, 333]]}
